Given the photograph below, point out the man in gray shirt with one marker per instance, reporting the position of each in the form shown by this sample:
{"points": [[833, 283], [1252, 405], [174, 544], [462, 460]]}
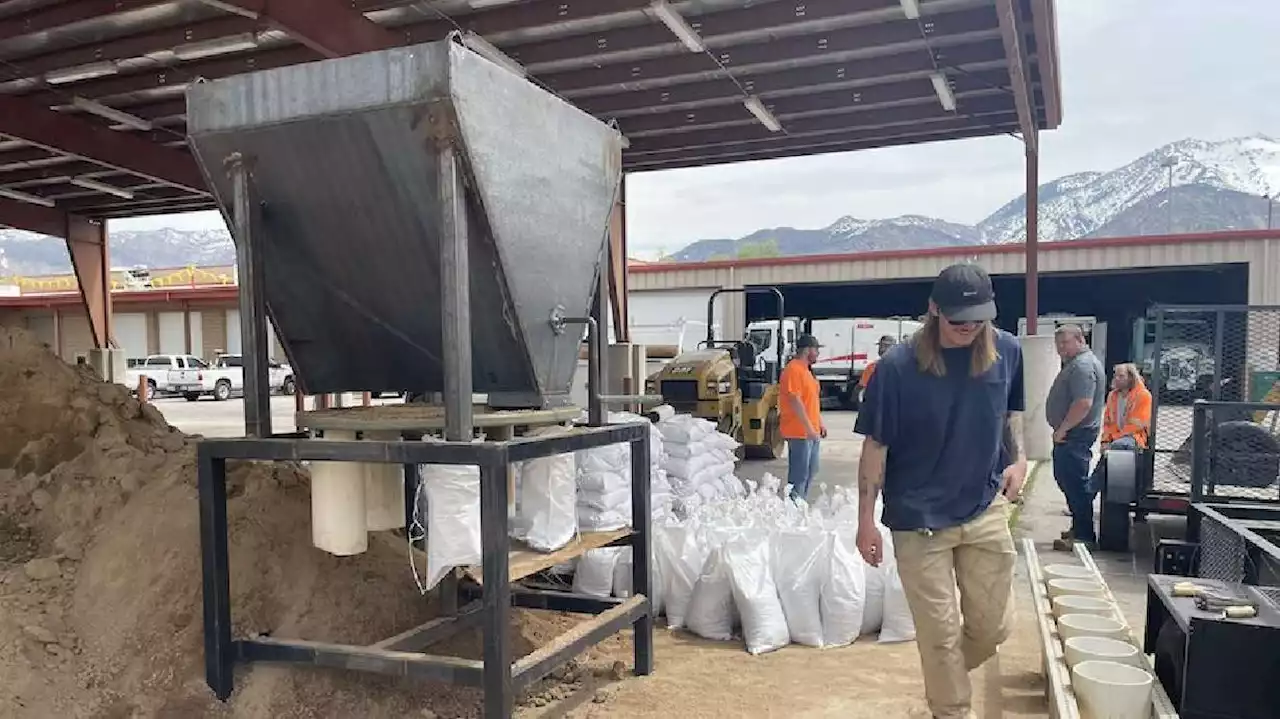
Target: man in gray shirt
{"points": [[1074, 411]]}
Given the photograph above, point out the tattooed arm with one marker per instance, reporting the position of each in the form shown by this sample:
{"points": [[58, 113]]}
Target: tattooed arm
{"points": [[1016, 473], [870, 478]]}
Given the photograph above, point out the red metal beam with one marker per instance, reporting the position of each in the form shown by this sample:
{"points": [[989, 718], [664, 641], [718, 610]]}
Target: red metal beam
{"points": [[87, 243], [32, 218], [330, 27], [1019, 76], [58, 132]]}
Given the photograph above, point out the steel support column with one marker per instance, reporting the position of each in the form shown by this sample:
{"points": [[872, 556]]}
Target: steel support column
{"points": [[1033, 238], [90, 258], [246, 214], [455, 299], [618, 266]]}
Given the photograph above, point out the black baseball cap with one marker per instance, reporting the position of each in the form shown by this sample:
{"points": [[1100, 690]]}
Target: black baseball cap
{"points": [[807, 341], [963, 293]]}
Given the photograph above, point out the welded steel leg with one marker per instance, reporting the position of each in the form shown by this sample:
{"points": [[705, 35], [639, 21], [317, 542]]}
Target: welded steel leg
{"points": [[253, 306], [455, 299], [1200, 465], [499, 700], [219, 656], [642, 552]]}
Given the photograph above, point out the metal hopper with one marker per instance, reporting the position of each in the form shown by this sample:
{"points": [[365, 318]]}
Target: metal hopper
{"points": [[346, 158]]}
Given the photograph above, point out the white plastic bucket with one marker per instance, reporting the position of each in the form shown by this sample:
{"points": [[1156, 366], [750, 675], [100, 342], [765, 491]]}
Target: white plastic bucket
{"points": [[338, 522], [1084, 587], [1091, 625], [1066, 571], [1102, 649], [1109, 690], [1078, 604]]}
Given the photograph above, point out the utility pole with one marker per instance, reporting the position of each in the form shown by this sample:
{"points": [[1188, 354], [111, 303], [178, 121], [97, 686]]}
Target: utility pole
{"points": [[1271, 206], [1169, 163]]}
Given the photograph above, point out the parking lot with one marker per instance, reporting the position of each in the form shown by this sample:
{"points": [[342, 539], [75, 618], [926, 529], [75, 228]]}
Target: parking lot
{"points": [[226, 419]]}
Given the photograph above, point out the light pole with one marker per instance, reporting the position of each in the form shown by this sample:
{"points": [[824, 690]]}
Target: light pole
{"points": [[1271, 206], [1169, 163]]}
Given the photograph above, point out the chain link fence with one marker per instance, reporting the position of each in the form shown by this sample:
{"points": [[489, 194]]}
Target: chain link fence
{"points": [[1223, 354]]}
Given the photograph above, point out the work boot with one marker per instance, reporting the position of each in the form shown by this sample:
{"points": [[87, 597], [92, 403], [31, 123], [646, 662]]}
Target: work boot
{"points": [[1068, 544]]}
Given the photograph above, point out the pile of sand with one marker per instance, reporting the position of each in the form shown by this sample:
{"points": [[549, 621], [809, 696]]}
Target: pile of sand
{"points": [[100, 612]]}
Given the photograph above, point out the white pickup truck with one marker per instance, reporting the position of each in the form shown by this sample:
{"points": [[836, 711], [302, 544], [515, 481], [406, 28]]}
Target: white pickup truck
{"points": [[279, 375], [170, 374]]}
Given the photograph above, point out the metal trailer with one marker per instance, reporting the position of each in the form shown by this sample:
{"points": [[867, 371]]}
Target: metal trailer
{"points": [[475, 206], [1215, 666], [1208, 364]]}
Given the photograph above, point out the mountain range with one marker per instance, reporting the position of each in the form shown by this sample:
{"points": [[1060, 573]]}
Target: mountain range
{"points": [[1218, 185]]}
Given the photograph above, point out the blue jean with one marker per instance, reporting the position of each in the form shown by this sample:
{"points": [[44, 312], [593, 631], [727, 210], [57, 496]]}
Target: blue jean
{"points": [[1071, 471], [802, 465]]}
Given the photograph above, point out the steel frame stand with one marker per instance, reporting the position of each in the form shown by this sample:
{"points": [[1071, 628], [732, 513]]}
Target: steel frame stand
{"points": [[499, 674]]}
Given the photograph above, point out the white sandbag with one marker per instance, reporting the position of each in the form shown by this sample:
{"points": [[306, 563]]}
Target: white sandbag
{"points": [[710, 613], [616, 499], [603, 520], [800, 564], [764, 625], [898, 626], [685, 428], [722, 442], [609, 458], [657, 583], [873, 599], [681, 557], [622, 581], [594, 575], [453, 518], [547, 519], [843, 600], [689, 466], [603, 482], [684, 450]]}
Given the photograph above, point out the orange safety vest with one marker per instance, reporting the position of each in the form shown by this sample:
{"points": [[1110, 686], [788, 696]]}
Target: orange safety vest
{"points": [[867, 372], [1136, 421]]}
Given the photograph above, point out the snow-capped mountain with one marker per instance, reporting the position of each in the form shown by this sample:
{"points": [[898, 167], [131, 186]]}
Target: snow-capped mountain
{"points": [[1083, 205], [25, 253], [847, 234]]}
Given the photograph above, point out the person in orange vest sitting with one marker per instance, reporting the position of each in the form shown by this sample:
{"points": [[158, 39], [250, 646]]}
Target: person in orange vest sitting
{"points": [[800, 417], [1127, 417], [1126, 420], [884, 345]]}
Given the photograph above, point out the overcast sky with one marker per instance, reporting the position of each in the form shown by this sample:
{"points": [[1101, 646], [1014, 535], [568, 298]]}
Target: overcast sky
{"points": [[1136, 74]]}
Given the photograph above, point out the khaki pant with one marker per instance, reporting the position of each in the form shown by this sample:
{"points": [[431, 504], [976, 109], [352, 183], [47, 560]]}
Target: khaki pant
{"points": [[978, 558]]}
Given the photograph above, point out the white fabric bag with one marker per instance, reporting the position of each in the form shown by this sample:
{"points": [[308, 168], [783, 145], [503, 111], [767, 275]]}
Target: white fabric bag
{"points": [[764, 625], [800, 566]]}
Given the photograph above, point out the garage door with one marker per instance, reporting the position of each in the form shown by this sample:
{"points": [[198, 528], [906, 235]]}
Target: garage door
{"points": [[173, 333], [197, 335], [77, 336], [233, 332], [131, 333], [42, 327]]}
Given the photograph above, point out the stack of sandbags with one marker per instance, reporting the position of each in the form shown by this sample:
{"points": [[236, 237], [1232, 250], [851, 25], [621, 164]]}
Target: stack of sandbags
{"points": [[700, 460], [776, 571]]}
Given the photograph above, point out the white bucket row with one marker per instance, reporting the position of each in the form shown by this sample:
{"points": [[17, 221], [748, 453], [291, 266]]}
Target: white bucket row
{"points": [[1109, 674], [351, 499]]}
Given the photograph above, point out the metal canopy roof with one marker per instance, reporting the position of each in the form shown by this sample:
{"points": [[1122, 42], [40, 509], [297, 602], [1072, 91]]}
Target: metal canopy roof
{"points": [[91, 91]]}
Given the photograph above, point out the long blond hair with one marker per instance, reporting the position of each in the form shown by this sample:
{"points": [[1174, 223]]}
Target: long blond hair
{"points": [[927, 343]]}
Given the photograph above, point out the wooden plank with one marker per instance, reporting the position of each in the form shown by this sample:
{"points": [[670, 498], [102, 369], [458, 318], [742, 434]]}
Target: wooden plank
{"points": [[524, 560]]}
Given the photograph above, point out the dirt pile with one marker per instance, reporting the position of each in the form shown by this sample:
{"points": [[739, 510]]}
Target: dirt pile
{"points": [[100, 612]]}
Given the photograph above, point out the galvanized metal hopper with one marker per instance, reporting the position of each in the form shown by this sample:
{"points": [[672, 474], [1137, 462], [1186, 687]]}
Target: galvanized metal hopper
{"points": [[344, 157]]}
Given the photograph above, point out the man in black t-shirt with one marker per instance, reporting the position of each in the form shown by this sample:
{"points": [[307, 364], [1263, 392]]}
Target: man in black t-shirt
{"points": [[942, 422]]}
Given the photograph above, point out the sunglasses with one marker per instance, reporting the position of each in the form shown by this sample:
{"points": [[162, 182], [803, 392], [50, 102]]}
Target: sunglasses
{"points": [[964, 323]]}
